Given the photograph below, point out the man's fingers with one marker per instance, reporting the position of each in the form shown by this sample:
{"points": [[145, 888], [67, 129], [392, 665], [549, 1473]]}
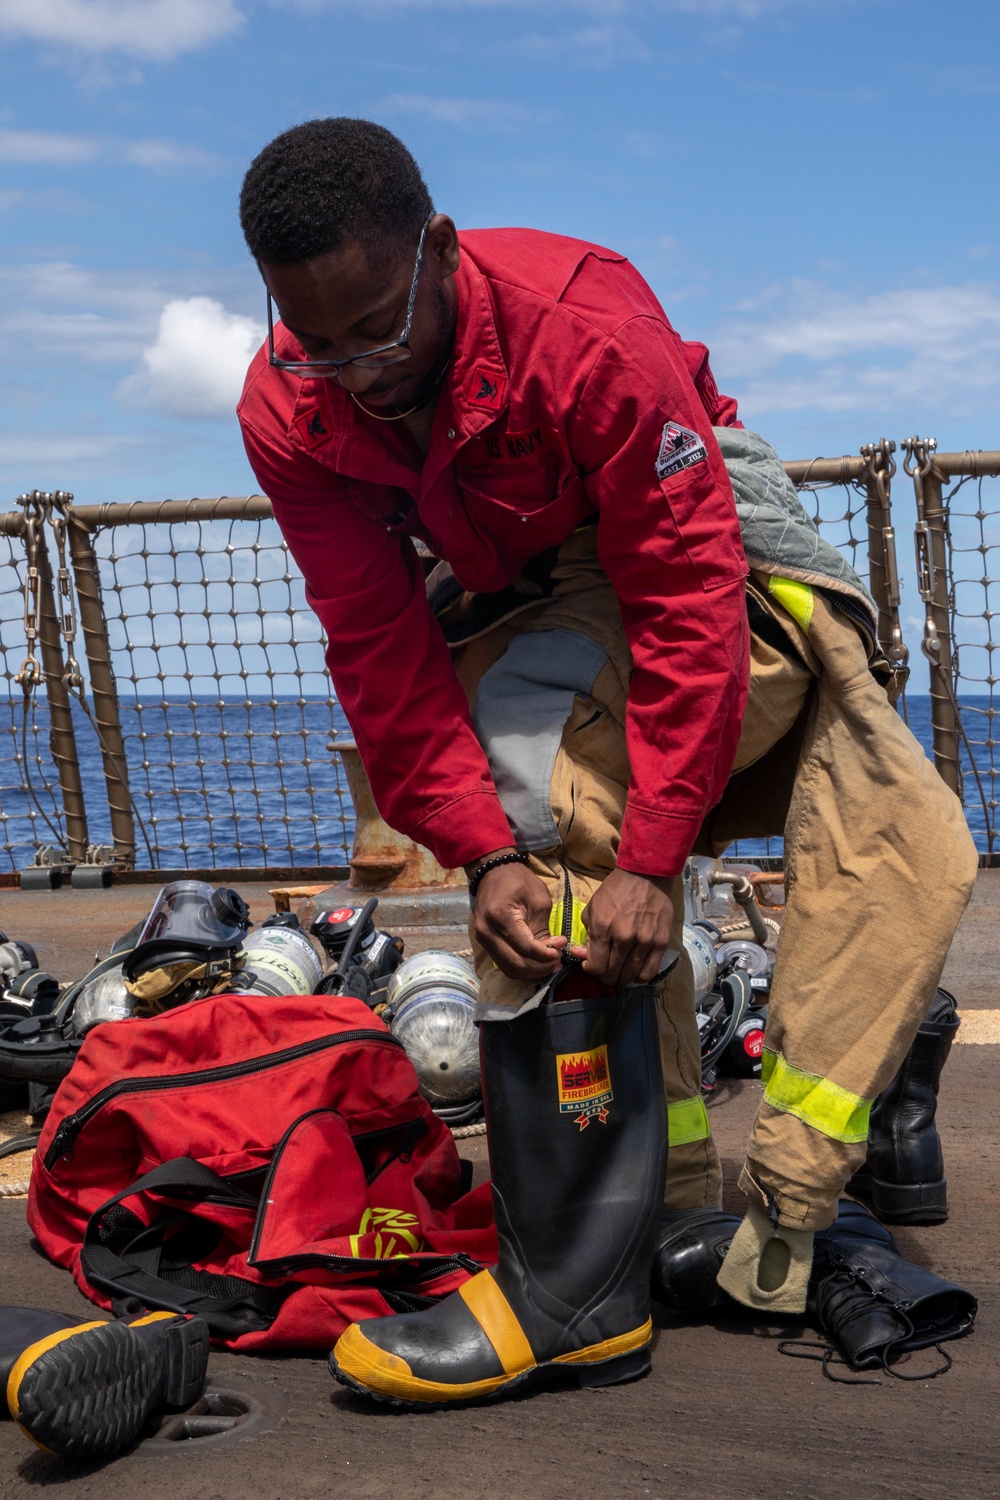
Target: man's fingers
{"points": [[513, 927], [640, 965], [598, 952], [512, 963], [517, 951]]}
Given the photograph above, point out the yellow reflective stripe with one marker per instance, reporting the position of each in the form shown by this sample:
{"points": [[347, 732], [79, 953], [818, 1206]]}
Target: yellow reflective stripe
{"points": [[825, 1106], [687, 1121], [797, 598], [578, 933]]}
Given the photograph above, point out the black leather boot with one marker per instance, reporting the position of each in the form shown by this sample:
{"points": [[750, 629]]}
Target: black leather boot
{"points": [[691, 1244], [873, 1304], [85, 1390], [576, 1123], [903, 1176]]}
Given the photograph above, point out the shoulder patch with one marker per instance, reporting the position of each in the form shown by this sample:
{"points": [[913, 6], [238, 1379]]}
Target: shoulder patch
{"points": [[679, 449], [487, 388]]}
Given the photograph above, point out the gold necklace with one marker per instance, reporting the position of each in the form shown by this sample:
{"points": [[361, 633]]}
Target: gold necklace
{"points": [[397, 418], [400, 414]]}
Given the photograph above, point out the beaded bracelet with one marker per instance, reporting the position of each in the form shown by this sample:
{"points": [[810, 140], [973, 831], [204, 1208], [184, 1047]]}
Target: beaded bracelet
{"points": [[493, 864]]}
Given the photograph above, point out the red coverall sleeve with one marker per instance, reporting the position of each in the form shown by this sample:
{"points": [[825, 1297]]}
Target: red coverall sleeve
{"points": [[673, 552], [388, 661]]}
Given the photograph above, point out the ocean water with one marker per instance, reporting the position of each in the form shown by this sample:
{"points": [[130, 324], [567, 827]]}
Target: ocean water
{"points": [[219, 783]]}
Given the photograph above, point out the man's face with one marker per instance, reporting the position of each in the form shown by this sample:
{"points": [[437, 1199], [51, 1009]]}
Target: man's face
{"points": [[337, 306]]}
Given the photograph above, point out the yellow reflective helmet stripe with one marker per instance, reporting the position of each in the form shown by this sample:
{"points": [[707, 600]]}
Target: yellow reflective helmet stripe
{"points": [[816, 1101], [577, 933], [687, 1121], [797, 598]]}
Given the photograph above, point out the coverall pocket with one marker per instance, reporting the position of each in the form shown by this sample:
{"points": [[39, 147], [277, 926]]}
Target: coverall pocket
{"points": [[697, 510]]}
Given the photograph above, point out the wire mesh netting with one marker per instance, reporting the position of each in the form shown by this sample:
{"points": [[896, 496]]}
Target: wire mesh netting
{"points": [[841, 513], [972, 505], [31, 813], [225, 702]]}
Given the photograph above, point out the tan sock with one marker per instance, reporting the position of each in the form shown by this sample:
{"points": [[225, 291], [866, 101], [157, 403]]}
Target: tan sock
{"points": [[766, 1267]]}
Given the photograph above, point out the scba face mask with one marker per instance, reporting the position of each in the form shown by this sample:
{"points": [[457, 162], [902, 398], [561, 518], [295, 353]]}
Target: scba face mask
{"points": [[188, 946]]}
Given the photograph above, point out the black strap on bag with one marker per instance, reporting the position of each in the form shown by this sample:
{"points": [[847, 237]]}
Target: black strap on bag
{"points": [[135, 1263]]}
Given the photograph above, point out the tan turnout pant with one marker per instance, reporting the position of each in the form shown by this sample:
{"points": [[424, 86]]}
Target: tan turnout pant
{"points": [[879, 863]]}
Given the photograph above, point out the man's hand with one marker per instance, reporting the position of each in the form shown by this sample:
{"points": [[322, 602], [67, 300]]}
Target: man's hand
{"points": [[628, 922], [511, 917]]}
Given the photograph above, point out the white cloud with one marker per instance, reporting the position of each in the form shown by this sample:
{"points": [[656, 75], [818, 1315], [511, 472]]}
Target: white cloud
{"points": [[470, 114], [60, 312], [47, 148], [63, 448], [196, 364], [590, 47], [736, 10], [158, 154], [807, 346], [153, 29], [51, 148]]}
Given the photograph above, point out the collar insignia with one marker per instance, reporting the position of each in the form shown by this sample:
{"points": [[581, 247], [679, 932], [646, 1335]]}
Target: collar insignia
{"points": [[311, 428], [487, 388]]}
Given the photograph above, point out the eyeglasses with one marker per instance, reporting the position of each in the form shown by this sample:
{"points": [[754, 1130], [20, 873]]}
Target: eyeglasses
{"points": [[372, 359]]}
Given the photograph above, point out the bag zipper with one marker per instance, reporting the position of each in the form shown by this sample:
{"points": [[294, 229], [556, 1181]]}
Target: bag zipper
{"points": [[65, 1136], [436, 1264]]}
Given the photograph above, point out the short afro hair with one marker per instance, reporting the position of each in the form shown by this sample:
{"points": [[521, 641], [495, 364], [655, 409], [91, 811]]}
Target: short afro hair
{"points": [[330, 182]]}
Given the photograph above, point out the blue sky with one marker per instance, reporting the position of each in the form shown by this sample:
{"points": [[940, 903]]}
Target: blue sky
{"points": [[809, 185]]}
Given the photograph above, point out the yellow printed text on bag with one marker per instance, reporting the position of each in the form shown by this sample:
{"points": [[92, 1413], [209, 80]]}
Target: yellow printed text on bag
{"points": [[584, 1082], [389, 1233], [834, 1111]]}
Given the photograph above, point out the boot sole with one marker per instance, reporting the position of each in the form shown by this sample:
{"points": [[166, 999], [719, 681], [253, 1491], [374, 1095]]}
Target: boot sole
{"points": [[903, 1203], [89, 1393], [615, 1371]]}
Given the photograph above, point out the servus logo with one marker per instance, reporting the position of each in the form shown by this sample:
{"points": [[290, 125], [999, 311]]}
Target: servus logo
{"points": [[584, 1081]]}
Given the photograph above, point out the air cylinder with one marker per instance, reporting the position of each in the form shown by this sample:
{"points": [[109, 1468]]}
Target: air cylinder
{"points": [[279, 961]]}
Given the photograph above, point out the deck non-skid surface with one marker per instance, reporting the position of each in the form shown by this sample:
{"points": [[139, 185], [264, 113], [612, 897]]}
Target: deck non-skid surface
{"points": [[723, 1413]]}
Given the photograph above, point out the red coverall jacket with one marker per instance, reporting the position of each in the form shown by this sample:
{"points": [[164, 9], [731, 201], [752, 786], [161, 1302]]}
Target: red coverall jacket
{"points": [[568, 393]]}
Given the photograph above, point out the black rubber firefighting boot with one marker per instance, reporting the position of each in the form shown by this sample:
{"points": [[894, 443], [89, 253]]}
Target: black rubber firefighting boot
{"points": [[691, 1244], [903, 1176], [575, 1117], [85, 1390]]}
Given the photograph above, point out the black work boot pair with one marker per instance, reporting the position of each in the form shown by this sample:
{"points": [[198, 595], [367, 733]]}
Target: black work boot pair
{"points": [[577, 1136], [85, 1390], [903, 1177]]}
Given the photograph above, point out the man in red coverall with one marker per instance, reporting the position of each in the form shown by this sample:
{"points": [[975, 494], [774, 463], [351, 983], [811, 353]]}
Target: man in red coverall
{"points": [[559, 718]]}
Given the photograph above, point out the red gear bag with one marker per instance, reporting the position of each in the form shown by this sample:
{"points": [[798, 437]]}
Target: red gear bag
{"points": [[267, 1164]]}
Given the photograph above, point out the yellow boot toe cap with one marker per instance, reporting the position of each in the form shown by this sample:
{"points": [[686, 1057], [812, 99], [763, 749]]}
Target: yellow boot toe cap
{"points": [[362, 1364]]}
